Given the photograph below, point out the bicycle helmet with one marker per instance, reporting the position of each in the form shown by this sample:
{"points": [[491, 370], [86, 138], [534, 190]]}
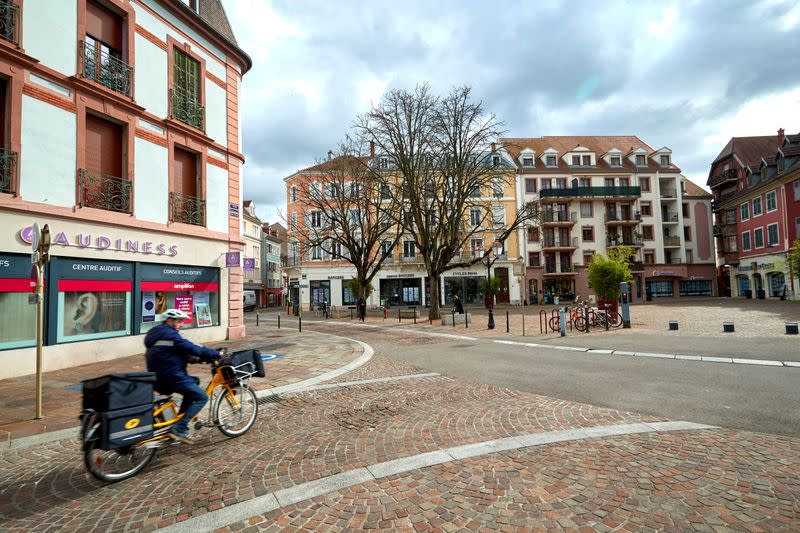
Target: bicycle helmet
{"points": [[174, 313]]}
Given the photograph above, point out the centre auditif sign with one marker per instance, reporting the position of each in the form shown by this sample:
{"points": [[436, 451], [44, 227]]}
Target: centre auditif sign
{"points": [[101, 242]]}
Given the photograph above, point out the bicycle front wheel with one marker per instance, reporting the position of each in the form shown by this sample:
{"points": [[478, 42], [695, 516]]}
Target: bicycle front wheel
{"points": [[581, 324], [116, 465], [615, 319], [236, 417]]}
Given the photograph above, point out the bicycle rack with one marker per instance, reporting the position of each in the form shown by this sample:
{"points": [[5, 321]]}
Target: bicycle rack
{"points": [[544, 328]]}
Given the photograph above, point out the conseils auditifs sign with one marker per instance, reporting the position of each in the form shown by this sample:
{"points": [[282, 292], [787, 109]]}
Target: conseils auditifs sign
{"points": [[101, 242]]}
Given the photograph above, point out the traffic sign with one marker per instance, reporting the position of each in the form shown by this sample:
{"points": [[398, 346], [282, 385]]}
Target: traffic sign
{"points": [[34, 277], [35, 233], [35, 257]]}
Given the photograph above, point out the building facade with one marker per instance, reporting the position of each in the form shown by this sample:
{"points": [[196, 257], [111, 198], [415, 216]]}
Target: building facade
{"points": [[402, 281], [121, 133], [253, 246], [272, 245], [756, 187], [599, 193]]}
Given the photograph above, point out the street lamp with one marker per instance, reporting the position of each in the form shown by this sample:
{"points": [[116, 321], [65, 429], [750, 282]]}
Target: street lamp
{"points": [[498, 247]]}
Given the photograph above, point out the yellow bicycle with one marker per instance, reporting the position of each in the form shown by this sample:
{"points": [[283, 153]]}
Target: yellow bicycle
{"points": [[232, 408]]}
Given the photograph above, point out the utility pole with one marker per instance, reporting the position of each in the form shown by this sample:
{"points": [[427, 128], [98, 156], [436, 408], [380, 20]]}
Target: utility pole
{"points": [[40, 256]]}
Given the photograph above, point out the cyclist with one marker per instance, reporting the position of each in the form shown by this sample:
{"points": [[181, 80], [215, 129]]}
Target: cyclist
{"points": [[167, 355]]}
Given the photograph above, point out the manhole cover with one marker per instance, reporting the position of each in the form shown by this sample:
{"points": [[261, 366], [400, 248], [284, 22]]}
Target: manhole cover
{"points": [[272, 398]]}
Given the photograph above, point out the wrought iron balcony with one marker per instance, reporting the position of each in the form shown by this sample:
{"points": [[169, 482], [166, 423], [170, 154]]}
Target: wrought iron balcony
{"points": [[559, 217], [666, 217], [718, 230], [673, 261], [187, 109], [722, 177], [672, 241], [631, 242], [187, 209], [107, 70], [8, 171], [576, 192], [553, 268], [9, 22], [556, 242], [669, 193], [102, 191]]}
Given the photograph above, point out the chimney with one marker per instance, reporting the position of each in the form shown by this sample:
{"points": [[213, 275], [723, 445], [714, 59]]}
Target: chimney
{"points": [[494, 147], [330, 155], [372, 149], [781, 136]]}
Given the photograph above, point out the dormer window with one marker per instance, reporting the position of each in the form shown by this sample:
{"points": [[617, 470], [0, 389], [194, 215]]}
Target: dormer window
{"points": [[194, 5], [495, 160], [616, 161], [641, 160], [527, 161], [576, 160], [384, 162], [586, 160], [664, 160], [550, 161]]}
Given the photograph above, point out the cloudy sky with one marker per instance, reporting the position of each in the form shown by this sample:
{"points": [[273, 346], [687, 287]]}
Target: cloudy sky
{"points": [[688, 75]]}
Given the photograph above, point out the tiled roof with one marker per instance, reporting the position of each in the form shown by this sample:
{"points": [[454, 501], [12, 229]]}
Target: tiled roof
{"points": [[694, 190], [337, 163], [791, 149], [247, 203], [750, 150], [212, 12], [599, 144]]}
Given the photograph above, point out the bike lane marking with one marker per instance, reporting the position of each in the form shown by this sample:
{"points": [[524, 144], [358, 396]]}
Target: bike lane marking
{"points": [[237, 512]]}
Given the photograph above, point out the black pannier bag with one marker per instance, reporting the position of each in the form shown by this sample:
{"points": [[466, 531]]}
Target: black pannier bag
{"points": [[123, 427], [119, 391], [249, 356]]}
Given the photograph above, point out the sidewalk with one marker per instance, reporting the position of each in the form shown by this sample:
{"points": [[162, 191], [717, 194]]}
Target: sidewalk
{"points": [[299, 356]]}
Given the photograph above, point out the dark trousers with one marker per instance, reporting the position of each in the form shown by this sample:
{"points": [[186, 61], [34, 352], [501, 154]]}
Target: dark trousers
{"points": [[194, 398]]}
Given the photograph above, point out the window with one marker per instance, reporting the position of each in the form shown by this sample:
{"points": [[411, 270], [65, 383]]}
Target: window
{"points": [[294, 193], [550, 161], [193, 5], [256, 253], [102, 182], [315, 219], [584, 182], [586, 209], [649, 257], [534, 259], [758, 238], [576, 160], [354, 219], [772, 234], [475, 190], [499, 215], [746, 240], [641, 160], [687, 233], [409, 250], [386, 192], [586, 160], [476, 247], [658, 289], [547, 183], [561, 183], [101, 51], [533, 234], [530, 185], [647, 233], [646, 209], [772, 203], [495, 160], [294, 221], [644, 183], [608, 182], [796, 187], [185, 198], [587, 257], [616, 161], [624, 182], [386, 247], [475, 216], [587, 233], [383, 162], [757, 206], [685, 210], [744, 212], [316, 252], [689, 256], [497, 188], [527, 161], [664, 160], [186, 90]]}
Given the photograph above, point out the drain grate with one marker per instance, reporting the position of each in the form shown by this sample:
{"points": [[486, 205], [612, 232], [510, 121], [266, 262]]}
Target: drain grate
{"points": [[272, 398]]}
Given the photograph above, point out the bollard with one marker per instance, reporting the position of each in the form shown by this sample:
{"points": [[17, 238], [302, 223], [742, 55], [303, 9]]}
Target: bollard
{"points": [[466, 320], [351, 313], [454, 317], [279, 321], [562, 321], [523, 322], [398, 315], [415, 315], [727, 327], [256, 318], [300, 323], [791, 328], [673, 325], [507, 329], [490, 325], [606, 306]]}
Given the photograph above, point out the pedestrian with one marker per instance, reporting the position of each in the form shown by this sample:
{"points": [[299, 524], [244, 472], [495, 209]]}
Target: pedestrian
{"points": [[457, 305], [362, 309]]}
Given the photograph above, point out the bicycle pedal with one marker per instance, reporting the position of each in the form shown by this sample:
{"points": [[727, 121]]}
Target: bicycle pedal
{"points": [[198, 425]]}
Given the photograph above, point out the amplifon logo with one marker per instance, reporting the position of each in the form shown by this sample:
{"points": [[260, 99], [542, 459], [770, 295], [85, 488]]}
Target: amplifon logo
{"points": [[101, 242]]}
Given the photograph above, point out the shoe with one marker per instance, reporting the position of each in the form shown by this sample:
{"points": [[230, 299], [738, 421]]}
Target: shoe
{"points": [[181, 436]]}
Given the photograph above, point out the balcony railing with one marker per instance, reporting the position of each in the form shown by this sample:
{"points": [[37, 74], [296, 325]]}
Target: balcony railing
{"points": [[102, 191], [8, 171], [631, 242], [187, 109], [409, 259], [614, 216], [9, 21], [187, 209], [100, 66], [576, 192], [673, 261], [722, 177], [551, 268], [669, 193], [560, 243], [560, 216], [718, 230], [666, 217], [672, 241]]}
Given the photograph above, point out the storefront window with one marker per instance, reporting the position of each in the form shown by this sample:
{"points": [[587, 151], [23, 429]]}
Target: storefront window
{"points": [[193, 290], [320, 289], [696, 287], [18, 324], [348, 296], [467, 288], [405, 291], [660, 289]]}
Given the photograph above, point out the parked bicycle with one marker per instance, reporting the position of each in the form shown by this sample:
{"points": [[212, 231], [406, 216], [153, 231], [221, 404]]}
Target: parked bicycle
{"points": [[594, 318], [118, 443]]}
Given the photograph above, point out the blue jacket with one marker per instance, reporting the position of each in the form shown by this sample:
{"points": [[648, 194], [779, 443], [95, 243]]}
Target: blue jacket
{"points": [[167, 356]]}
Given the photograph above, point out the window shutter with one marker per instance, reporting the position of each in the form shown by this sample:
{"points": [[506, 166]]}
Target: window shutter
{"points": [[104, 25], [103, 146]]}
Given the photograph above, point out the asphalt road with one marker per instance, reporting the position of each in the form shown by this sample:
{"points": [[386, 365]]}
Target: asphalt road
{"points": [[748, 397]]}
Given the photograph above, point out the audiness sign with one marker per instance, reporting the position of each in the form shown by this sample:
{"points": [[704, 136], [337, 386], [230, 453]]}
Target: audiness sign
{"points": [[101, 242]]}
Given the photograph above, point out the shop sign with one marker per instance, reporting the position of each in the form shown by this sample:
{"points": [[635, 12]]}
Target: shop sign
{"points": [[400, 276], [249, 263], [152, 272], [232, 259], [234, 210], [663, 273], [699, 278], [744, 268], [766, 266], [335, 277], [73, 269], [463, 273], [102, 242]]}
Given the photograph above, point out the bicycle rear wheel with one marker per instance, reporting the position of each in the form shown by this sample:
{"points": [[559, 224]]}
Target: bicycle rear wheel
{"points": [[581, 324], [233, 419], [555, 323], [116, 465], [614, 319]]}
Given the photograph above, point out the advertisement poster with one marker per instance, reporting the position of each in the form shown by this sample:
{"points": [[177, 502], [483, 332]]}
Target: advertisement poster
{"points": [[185, 304], [89, 313], [201, 298], [148, 307], [203, 315]]}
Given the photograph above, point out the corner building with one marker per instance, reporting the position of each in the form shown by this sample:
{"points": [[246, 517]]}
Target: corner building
{"points": [[121, 133], [602, 192]]}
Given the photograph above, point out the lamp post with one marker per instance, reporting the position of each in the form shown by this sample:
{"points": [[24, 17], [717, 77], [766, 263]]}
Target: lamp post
{"points": [[489, 262]]}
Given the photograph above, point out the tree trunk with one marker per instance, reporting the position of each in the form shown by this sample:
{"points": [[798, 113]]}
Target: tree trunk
{"points": [[434, 299]]}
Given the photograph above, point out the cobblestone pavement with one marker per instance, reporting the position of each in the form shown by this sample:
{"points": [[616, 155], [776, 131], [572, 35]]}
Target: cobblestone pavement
{"points": [[304, 355]]}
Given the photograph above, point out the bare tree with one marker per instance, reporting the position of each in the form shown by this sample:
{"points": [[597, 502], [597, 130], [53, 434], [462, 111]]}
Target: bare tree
{"points": [[348, 213], [449, 177]]}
